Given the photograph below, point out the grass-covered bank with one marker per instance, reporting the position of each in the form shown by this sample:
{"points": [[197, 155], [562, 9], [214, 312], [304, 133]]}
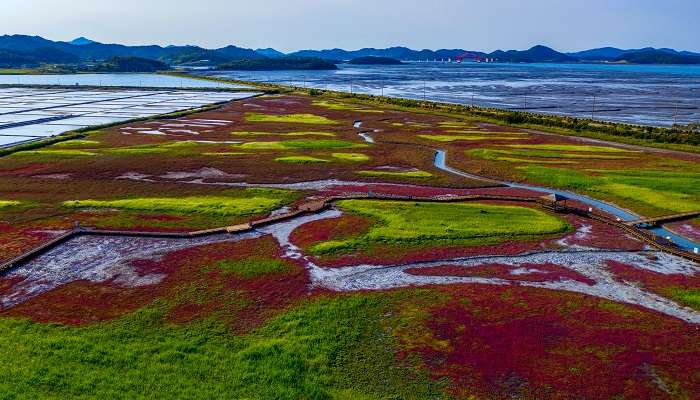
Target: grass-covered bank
{"points": [[334, 348], [414, 224]]}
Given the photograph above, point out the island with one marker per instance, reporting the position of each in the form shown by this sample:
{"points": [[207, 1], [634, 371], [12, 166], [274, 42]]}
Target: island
{"points": [[277, 64], [372, 60]]}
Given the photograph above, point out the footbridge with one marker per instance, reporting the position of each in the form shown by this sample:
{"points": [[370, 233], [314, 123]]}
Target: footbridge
{"points": [[663, 219]]}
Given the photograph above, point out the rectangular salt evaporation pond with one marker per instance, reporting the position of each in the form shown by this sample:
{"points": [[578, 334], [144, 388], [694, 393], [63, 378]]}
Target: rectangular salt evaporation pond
{"points": [[90, 120], [12, 140], [123, 80], [92, 108], [13, 118], [39, 130]]}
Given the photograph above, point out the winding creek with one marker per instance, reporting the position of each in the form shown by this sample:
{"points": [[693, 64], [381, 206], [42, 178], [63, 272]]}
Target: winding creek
{"points": [[440, 162], [624, 215], [98, 258]]}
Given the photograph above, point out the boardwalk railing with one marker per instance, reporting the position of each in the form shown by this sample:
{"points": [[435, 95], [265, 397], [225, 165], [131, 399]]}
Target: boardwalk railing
{"points": [[316, 206]]}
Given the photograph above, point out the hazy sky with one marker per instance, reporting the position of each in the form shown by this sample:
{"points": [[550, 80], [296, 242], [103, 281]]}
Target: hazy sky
{"points": [[294, 24]]}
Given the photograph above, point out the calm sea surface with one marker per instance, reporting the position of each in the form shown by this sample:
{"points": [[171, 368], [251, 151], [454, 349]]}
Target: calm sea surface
{"points": [[652, 95], [126, 80]]}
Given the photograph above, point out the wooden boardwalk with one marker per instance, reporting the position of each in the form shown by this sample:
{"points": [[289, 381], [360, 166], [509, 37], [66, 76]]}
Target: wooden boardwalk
{"points": [[664, 219], [316, 206]]}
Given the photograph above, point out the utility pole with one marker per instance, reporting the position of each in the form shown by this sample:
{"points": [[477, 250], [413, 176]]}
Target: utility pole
{"points": [[593, 111], [423, 90], [472, 99], [675, 113], [351, 88], [382, 88]]}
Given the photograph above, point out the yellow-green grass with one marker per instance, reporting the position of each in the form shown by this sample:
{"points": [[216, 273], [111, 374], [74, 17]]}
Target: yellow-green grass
{"points": [[293, 134], [354, 157], [253, 267], [311, 119], [136, 150], [417, 223], [649, 192], [75, 143], [397, 174], [478, 132], [333, 347], [550, 154], [687, 297], [497, 155], [248, 202], [17, 71], [419, 124], [570, 148], [344, 107], [224, 154], [301, 160], [456, 138], [9, 203], [185, 147], [55, 153], [455, 124], [299, 144]]}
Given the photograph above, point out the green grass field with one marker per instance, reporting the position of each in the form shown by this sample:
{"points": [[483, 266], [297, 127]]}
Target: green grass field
{"points": [[299, 145], [253, 267], [241, 203], [335, 348], [76, 143], [310, 119], [354, 157], [17, 71], [393, 174], [292, 134], [301, 160], [54, 153], [650, 192], [456, 124], [540, 156], [9, 203], [331, 105], [687, 297], [570, 148], [423, 224], [475, 137]]}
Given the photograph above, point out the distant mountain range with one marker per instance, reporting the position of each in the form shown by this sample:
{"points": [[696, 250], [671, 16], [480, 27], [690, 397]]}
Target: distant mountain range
{"points": [[648, 55], [22, 50]]}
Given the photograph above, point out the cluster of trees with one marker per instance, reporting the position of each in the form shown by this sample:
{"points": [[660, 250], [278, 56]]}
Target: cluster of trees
{"points": [[285, 63], [129, 64]]}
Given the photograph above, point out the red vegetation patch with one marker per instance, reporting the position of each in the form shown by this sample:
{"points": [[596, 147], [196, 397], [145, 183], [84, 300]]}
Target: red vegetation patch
{"points": [[399, 190], [330, 229], [16, 240], [82, 302], [689, 229], [193, 288], [591, 233], [651, 280], [427, 191], [398, 255], [518, 342], [524, 272]]}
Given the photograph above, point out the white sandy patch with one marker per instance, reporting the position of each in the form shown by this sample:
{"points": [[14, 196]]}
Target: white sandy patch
{"points": [[203, 173], [591, 264], [97, 259]]}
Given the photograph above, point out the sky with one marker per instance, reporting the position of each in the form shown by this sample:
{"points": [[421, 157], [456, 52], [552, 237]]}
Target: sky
{"points": [[486, 25]]}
